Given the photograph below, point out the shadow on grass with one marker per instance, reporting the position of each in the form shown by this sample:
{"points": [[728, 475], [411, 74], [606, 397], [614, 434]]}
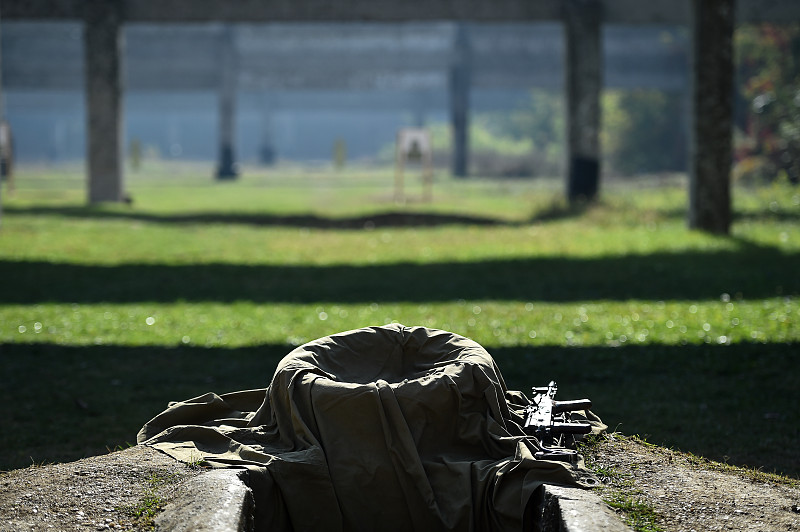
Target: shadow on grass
{"points": [[763, 216], [391, 219], [370, 221], [62, 403], [768, 216], [752, 272], [734, 403]]}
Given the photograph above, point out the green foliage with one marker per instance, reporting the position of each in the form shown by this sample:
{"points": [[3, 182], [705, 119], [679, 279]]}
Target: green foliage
{"points": [[643, 131], [483, 138], [150, 503], [198, 462], [638, 514], [528, 141], [539, 127], [768, 140]]}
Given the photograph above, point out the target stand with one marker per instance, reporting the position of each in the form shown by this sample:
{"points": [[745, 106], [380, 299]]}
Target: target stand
{"points": [[413, 146]]}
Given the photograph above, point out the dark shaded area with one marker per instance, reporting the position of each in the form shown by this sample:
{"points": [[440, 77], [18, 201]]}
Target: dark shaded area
{"points": [[781, 214], [390, 219], [659, 276], [227, 167], [60, 403], [733, 403], [584, 178], [768, 216], [311, 221]]}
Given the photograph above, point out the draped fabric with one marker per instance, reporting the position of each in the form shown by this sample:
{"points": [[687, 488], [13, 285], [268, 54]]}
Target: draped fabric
{"points": [[381, 428]]}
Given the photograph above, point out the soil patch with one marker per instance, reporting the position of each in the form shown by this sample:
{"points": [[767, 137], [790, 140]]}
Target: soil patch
{"points": [[118, 491], [661, 489]]}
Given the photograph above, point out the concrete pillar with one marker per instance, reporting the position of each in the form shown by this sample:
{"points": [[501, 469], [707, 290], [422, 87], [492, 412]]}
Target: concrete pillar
{"points": [[460, 76], [712, 115], [584, 81], [267, 154], [227, 106], [419, 109], [103, 43]]}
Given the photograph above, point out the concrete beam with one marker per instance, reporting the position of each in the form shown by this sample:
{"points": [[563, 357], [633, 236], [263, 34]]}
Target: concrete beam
{"points": [[43, 9], [103, 48], [638, 12], [584, 78], [413, 56], [616, 11], [342, 10]]}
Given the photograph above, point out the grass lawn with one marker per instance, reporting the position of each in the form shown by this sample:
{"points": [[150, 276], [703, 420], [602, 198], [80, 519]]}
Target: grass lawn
{"points": [[108, 312]]}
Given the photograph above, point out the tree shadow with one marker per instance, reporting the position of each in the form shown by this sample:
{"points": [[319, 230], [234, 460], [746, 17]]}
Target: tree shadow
{"points": [[369, 221], [732, 403], [752, 271], [65, 402], [737, 216], [556, 211]]}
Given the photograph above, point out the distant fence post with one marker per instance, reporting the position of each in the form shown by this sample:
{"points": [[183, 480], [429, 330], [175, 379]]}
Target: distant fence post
{"points": [[103, 51], [712, 115], [584, 80], [413, 144]]}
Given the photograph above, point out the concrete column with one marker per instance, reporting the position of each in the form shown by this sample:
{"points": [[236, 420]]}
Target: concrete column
{"points": [[712, 115], [419, 109], [267, 150], [227, 106], [584, 81], [460, 76], [103, 43]]}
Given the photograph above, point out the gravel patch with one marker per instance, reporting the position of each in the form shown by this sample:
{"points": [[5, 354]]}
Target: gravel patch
{"points": [[687, 493], [680, 492], [99, 493]]}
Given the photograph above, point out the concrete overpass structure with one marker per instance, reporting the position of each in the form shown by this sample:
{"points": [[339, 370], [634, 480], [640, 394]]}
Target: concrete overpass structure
{"points": [[285, 67], [711, 23]]}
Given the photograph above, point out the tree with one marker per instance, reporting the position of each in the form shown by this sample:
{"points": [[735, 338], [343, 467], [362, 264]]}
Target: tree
{"points": [[712, 24], [768, 140], [643, 131]]}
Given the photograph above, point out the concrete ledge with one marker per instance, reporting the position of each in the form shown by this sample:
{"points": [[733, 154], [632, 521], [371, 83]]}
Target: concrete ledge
{"points": [[575, 510], [217, 501], [98, 493]]}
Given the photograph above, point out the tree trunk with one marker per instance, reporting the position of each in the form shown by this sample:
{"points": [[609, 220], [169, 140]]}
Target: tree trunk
{"points": [[712, 115]]}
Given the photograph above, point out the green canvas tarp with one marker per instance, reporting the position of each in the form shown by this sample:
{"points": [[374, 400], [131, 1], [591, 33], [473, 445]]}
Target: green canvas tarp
{"points": [[381, 428]]}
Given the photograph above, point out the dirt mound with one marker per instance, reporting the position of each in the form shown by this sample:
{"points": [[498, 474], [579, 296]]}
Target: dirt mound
{"points": [[660, 489], [119, 491], [655, 488]]}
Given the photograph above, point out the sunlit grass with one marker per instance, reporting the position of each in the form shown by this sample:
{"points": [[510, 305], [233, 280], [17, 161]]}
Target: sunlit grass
{"points": [[199, 285], [115, 241], [491, 323]]}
